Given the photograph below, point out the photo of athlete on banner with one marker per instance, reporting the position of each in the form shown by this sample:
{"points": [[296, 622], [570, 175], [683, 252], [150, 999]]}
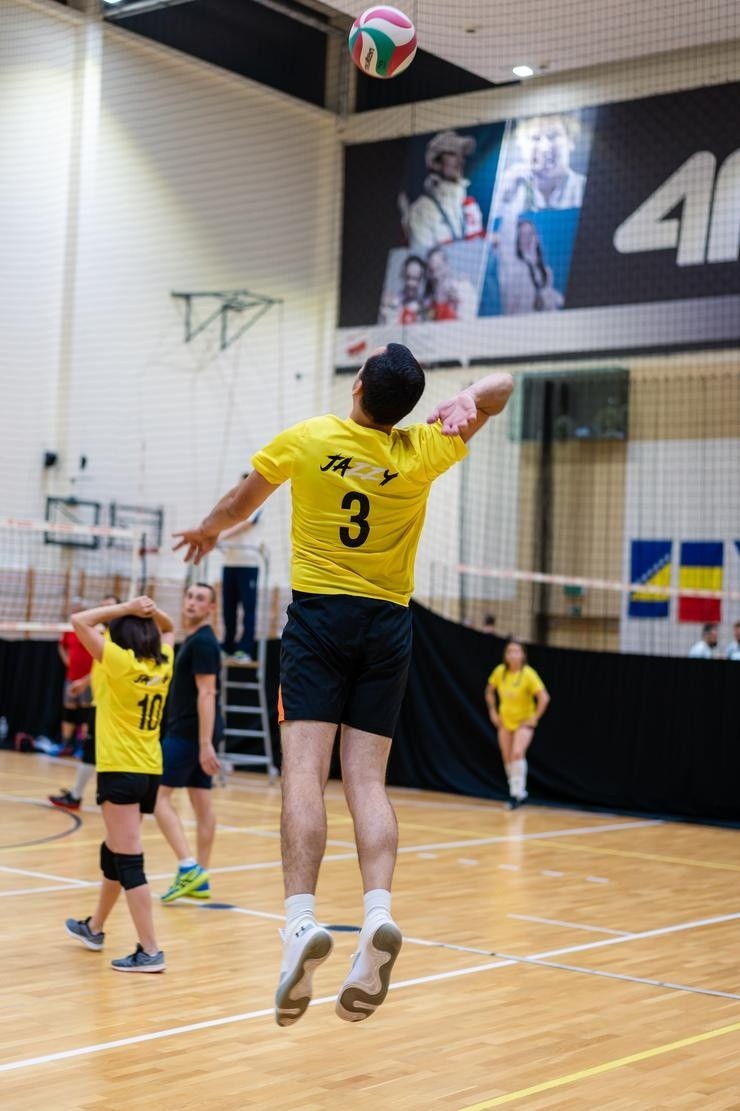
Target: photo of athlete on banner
{"points": [[534, 217], [443, 210], [441, 286]]}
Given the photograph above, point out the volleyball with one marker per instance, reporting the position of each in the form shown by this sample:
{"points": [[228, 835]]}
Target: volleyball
{"points": [[382, 42]]}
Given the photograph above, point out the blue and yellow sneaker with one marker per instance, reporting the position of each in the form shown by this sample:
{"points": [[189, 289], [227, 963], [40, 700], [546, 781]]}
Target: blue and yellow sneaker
{"points": [[185, 883], [202, 892]]}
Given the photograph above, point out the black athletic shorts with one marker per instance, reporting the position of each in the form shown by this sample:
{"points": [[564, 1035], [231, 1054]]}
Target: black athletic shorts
{"points": [[345, 659], [125, 788]]}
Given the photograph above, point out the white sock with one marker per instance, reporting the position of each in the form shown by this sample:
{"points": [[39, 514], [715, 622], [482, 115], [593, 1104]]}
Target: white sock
{"points": [[297, 907], [518, 778], [377, 909], [507, 769], [187, 863], [85, 772]]}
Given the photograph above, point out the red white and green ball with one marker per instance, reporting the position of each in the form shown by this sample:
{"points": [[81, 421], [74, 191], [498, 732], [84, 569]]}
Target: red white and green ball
{"points": [[382, 42]]}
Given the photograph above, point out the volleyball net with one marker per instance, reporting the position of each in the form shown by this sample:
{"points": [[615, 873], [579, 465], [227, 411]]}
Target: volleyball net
{"points": [[599, 511], [50, 568]]}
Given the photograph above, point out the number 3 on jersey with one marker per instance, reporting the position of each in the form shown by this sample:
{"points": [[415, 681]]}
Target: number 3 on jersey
{"points": [[349, 537]]}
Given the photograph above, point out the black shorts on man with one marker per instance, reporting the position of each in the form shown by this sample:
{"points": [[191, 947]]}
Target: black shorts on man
{"points": [[345, 659], [181, 760]]}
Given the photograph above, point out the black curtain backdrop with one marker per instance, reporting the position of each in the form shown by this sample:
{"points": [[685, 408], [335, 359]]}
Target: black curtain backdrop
{"points": [[641, 734], [31, 683], [624, 732]]}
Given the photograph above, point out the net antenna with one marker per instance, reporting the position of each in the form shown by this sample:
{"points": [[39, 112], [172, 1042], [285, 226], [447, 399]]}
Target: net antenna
{"points": [[227, 304]]}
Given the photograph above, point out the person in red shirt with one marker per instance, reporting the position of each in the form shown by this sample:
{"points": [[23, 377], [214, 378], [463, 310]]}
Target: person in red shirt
{"points": [[76, 698]]}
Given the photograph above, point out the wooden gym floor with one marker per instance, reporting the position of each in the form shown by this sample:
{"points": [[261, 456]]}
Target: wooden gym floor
{"points": [[552, 959]]}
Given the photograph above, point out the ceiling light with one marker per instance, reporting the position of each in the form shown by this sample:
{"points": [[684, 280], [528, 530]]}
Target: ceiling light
{"points": [[523, 71]]}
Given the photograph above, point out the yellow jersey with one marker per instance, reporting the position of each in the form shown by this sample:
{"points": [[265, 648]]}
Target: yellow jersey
{"points": [[516, 691], [129, 713], [97, 681], [359, 500]]}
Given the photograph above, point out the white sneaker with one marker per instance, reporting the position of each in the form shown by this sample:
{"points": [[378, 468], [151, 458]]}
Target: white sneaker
{"points": [[367, 984], [304, 949]]}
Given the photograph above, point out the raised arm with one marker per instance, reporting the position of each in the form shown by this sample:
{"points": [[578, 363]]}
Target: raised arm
{"points": [[466, 412], [235, 506], [166, 626], [85, 623]]}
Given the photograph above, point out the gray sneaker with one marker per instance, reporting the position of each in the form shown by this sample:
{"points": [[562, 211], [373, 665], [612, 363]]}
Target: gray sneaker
{"points": [[140, 961], [83, 933]]}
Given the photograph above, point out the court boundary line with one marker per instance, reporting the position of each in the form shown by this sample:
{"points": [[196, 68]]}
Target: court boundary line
{"points": [[569, 925], [352, 855], [623, 976], [225, 1020]]}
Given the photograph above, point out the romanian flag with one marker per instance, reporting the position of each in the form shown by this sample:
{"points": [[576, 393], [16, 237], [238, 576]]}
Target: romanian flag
{"points": [[650, 564], [701, 569]]}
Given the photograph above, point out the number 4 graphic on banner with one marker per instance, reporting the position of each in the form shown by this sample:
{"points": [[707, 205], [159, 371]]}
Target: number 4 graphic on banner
{"points": [[708, 227]]}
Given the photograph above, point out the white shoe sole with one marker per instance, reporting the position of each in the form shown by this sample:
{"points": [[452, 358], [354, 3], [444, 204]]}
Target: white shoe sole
{"points": [[83, 940], [358, 999], [294, 990], [140, 968]]}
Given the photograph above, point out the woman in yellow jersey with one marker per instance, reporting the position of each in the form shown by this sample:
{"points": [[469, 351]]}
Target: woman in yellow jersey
{"points": [[516, 700], [135, 658], [71, 800]]}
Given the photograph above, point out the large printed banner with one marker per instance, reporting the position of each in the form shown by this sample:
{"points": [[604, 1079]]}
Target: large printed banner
{"points": [[606, 229]]}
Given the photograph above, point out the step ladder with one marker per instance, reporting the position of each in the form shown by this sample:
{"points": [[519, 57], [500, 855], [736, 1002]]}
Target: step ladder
{"points": [[248, 718]]}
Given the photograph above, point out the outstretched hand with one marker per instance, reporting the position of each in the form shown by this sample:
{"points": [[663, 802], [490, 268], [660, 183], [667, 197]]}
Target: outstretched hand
{"points": [[456, 414], [197, 541]]}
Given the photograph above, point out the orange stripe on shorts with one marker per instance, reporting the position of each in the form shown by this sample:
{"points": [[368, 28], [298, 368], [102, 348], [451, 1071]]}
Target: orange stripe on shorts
{"points": [[280, 709]]}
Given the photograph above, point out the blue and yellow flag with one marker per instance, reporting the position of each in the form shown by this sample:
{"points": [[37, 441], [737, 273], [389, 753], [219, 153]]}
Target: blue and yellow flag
{"points": [[701, 569], [650, 564]]}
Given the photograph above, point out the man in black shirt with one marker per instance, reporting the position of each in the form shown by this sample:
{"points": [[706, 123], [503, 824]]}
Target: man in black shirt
{"points": [[194, 724]]}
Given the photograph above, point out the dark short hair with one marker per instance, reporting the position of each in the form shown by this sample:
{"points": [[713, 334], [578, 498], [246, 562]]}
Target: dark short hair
{"points": [[140, 634], [392, 383], [709, 627], [205, 586]]}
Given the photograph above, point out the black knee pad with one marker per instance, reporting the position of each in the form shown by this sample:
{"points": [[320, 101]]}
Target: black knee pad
{"points": [[85, 716], [108, 863], [69, 716], [130, 870]]}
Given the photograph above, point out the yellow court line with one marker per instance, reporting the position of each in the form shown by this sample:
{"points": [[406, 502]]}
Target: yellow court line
{"points": [[607, 1066], [596, 850]]}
